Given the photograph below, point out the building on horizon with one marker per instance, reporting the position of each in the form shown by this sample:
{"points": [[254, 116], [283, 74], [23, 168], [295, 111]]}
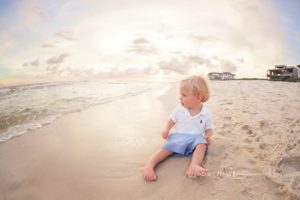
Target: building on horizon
{"points": [[221, 76], [284, 73]]}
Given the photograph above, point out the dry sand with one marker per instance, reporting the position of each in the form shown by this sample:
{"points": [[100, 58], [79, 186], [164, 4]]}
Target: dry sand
{"points": [[99, 153]]}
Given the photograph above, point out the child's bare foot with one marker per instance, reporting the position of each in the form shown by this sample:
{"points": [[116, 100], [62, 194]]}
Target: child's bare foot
{"points": [[149, 173], [196, 170]]}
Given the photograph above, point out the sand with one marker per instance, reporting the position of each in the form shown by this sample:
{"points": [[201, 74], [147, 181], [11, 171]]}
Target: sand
{"points": [[99, 153]]}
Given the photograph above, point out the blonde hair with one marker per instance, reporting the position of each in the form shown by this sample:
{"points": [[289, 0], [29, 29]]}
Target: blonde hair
{"points": [[198, 85]]}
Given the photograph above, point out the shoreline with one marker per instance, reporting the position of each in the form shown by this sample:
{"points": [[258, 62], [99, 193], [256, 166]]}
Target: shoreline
{"points": [[21, 119], [9, 86]]}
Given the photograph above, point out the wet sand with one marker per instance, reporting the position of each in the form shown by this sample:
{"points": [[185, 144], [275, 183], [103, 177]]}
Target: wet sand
{"points": [[99, 153]]}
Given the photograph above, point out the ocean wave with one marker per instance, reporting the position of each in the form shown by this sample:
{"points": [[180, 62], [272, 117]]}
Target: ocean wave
{"points": [[20, 129], [31, 107]]}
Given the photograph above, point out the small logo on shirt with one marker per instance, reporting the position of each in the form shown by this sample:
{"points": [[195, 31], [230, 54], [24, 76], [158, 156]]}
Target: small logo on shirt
{"points": [[201, 121]]}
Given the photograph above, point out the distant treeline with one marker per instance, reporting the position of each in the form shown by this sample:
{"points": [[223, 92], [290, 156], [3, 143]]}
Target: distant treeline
{"points": [[241, 79], [246, 79]]}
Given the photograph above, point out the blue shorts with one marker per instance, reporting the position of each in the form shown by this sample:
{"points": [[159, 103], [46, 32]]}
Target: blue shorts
{"points": [[183, 144]]}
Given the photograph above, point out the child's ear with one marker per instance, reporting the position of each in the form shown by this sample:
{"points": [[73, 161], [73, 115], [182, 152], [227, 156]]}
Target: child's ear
{"points": [[200, 98]]}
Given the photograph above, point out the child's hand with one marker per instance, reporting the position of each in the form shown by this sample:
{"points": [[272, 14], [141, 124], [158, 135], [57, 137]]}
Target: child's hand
{"points": [[208, 139], [165, 134]]}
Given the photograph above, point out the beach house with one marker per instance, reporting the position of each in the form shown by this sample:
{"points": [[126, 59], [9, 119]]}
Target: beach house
{"points": [[221, 76], [284, 73]]}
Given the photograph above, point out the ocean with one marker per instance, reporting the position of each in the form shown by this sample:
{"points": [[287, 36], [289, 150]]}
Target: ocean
{"points": [[28, 107]]}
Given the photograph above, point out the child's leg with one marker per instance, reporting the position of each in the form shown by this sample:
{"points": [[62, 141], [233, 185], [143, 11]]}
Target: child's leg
{"points": [[195, 168], [149, 173]]}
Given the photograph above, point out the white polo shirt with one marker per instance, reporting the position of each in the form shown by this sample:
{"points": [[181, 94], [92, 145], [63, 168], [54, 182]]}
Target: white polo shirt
{"points": [[185, 123]]}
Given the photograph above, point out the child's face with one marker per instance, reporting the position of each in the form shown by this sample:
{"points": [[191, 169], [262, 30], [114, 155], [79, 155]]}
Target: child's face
{"points": [[188, 99]]}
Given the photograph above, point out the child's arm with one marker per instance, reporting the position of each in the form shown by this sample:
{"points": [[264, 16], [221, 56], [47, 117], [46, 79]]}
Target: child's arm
{"points": [[208, 134], [165, 133]]}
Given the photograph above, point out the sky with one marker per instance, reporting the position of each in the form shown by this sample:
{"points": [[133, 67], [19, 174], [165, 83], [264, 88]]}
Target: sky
{"points": [[53, 40]]}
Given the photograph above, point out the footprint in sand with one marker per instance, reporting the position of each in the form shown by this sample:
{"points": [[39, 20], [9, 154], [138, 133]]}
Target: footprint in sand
{"points": [[223, 133], [257, 139], [296, 185], [262, 145], [263, 124], [289, 164], [246, 191], [295, 123], [247, 140], [291, 145], [228, 117], [249, 134], [231, 152], [246, 127], [225, 125]]}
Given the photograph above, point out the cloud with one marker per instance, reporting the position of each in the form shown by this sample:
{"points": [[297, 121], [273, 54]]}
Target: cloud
{"points": [[203, 39], [53, 70], [122, 71], [198, 60], [184, 64], [59, 37], [141, 41], [189, 63], [174, 64], [80, 72], [90, 72], [58, 59], [34, 63], [47, 45], [228, 66], [67, 35], [142, 46]]}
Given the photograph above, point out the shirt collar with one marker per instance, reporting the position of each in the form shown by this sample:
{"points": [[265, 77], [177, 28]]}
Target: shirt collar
{"points": [[203, 111]]}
